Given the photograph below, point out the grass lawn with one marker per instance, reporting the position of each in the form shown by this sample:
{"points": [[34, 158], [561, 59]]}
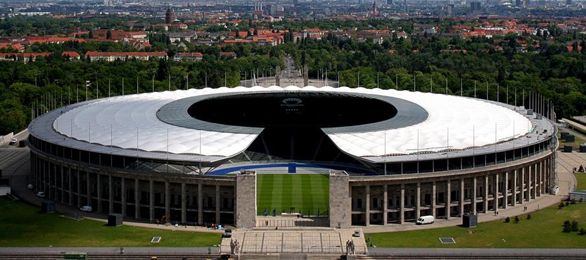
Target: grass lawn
{"points": [[306, 193], [543, 230], [23, 225], [581, 178]]}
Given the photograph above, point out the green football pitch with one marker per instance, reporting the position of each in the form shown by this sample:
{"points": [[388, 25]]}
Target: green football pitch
{"points": [[302, 193]]}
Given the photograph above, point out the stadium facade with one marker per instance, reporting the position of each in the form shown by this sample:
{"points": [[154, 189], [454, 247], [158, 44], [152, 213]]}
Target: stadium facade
{"points": [[190, 156]]}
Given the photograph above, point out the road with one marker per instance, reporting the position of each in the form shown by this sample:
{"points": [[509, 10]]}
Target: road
{"points": [[111, 252], [479, 253]]}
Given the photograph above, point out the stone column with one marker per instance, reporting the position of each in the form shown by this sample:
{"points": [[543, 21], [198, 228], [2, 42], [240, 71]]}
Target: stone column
{"points": [[200, 203], [110, 196], [540, 177], [245, 210], [545, 178], [136, 199], [47, 182], [474, 195], [385, 204], [535, 175], [449, 199], [88, 189], [218, 204], [340, 200], [514, 189], [496, 191], [433, 199], [70, 199], [486, 194], [402, 205], [99, 183], [522, 185], [151, 201], [418, 201], [529, 183], [183, 204], [544, 187], [167, 202], [62, 185], [462, 197], [123, 197], [506, 198], [78, 189], [367, 210]]}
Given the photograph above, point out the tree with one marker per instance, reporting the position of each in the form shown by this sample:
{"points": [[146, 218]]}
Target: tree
{"points": [[567, 226], [162, 70], [575, 225], [12, 118]]}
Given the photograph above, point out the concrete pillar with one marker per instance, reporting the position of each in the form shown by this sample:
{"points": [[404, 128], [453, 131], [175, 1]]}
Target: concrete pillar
{"points": [[183, 204], [167, 202], [522, 185], [78, 189], [136, 199], [418, 201], [340, 200], [474, 195], [110, 196], [367, 211], [200, 204], [402, 205], [462, 197], [433, 199], [99, 183], [151, 201], [514, 189], [496, 191], [218, 221], [385, 204], [486, 194], [123, 197], [506, 198], [448, 199]]}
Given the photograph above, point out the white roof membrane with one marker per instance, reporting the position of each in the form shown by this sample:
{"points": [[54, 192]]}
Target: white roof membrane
{"points": [[131, 122]]}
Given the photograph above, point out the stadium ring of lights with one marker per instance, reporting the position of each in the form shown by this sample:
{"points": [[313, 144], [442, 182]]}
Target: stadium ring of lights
{"points": [[180, 156]]}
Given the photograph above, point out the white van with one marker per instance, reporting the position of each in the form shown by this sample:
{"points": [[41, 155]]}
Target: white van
{"points": [[425, 220]]}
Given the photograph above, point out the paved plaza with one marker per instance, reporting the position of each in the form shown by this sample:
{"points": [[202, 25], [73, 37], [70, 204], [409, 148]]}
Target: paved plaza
{"points": [[299, 241]]}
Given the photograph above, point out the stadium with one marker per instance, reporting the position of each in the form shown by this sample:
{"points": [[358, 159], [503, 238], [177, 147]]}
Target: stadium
{"points": [[345, 156]]}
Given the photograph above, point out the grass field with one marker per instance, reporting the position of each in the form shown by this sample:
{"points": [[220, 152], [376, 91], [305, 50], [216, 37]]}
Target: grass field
{"points": [[305, 193], [23, 225], [581, 178], [543, 230]]}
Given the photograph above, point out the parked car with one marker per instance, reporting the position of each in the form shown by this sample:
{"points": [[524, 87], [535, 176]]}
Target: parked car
{"points": [[425, 220], [13, 141], [41, 194], [86, 208]]}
